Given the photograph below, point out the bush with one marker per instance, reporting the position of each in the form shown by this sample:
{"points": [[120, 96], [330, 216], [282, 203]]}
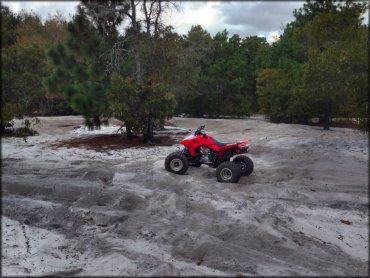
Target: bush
{"points": [[9, 111], [26, 129], [363, 124]]}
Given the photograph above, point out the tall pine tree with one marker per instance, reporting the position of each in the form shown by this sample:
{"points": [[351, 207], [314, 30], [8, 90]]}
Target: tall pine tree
{"points": [[79, 73]]}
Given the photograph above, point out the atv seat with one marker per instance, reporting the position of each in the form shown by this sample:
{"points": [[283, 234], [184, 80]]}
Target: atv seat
{"points": [[220, 144]]}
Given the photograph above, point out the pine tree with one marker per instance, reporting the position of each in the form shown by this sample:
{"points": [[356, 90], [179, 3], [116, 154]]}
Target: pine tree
{"points": [[79, 71]]}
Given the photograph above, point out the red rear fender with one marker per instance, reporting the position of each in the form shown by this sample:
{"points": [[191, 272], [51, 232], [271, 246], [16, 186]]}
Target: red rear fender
{"points": [[240, 147]]}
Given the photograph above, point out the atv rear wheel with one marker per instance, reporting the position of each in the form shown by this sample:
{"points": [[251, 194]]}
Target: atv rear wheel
{"points": [[176, 163], [228, 172], [246, 164]]}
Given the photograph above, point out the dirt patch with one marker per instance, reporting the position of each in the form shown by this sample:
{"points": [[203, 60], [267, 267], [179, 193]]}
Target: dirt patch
{"points": [[106, 142]]}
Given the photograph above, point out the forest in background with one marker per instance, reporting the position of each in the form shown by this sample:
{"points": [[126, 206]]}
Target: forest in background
{"points": [[317, 69]]}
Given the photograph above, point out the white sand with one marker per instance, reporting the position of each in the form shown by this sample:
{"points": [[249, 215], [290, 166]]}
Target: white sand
{"points": [[73, 211]]}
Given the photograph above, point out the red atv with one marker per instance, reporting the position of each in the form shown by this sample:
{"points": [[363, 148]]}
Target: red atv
{"points": [[201, 148]]}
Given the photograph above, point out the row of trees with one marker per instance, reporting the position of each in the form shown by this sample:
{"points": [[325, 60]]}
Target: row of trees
{"points": [[148, 72], [102, 73], [319, 67], [24, 38], [218, 74]]}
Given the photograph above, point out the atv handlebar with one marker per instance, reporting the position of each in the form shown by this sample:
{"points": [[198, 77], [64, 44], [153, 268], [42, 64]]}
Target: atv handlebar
{"points": [[200, 130]]}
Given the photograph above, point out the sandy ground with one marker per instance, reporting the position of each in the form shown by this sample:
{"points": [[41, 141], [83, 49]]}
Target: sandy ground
{"points": [[303, 211]]}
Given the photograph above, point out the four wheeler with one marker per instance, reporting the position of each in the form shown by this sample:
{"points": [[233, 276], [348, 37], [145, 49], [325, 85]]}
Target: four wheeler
{"points": [[201, 148]]}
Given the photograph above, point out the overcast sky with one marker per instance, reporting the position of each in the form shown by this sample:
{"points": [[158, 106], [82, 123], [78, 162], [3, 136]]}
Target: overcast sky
{"points": [[246, 18]]}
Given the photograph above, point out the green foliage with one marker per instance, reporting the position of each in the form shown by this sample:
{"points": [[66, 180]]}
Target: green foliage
{"points": [[24, 40], [218, 74], [27, 128], [133, 103], [157, 101], [22, 70], [188, 82], [336, 72], [78, 72], [24, 131], [9, 22], [311, 9], [319, 68], [8, 112], [273, 89], [123, 100]]}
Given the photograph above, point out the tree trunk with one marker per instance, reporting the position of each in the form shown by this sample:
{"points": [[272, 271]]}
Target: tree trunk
{"points": [[89, 124], [97, 123], [326, 120], [128, 131], [138, 74], [149, 135], [321, 119], [151, 128]]}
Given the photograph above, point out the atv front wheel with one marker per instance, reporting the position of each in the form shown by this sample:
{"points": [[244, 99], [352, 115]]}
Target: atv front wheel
{"points": [[246, 164], [176, 163], [228, 172]]}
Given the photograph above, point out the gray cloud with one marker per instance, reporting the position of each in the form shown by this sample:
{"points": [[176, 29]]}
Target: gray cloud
{"points": [[193, 5], [44, 8], [257, 17], [245, 18]]}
